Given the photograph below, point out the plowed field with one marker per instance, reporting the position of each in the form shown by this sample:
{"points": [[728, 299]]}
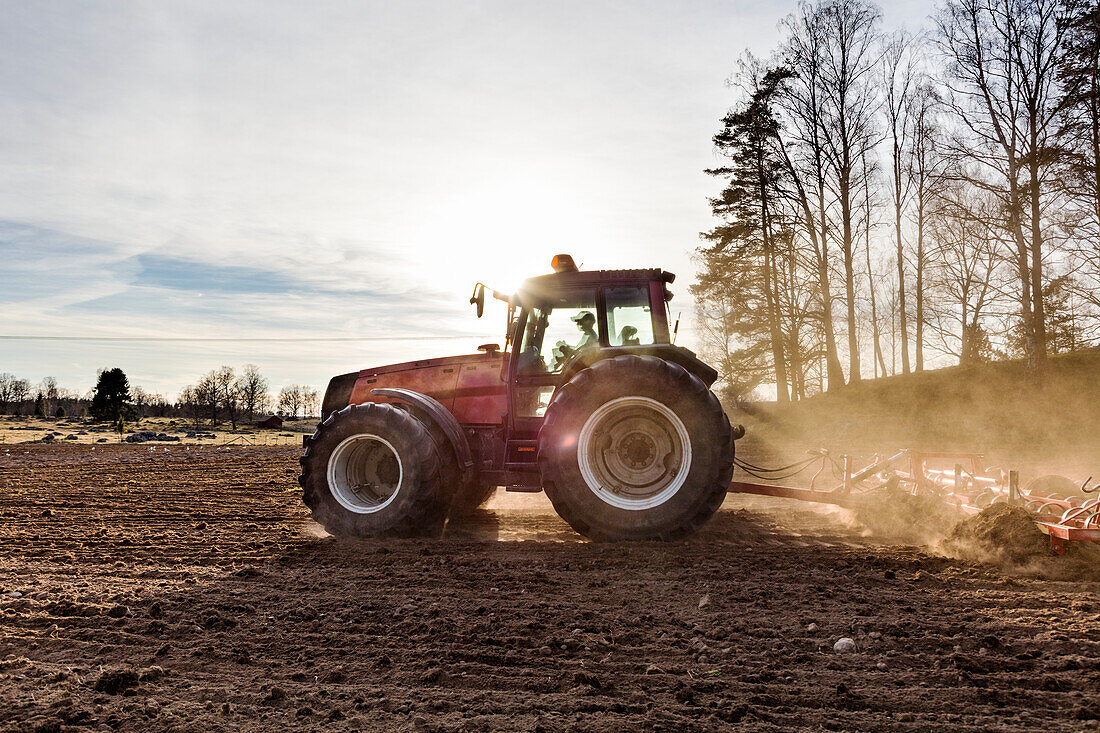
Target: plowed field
{"points": [[145, 589]]}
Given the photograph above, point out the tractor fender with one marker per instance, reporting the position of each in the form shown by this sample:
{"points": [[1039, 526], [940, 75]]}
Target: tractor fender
{"points": [[675, 354], [440, 415]]}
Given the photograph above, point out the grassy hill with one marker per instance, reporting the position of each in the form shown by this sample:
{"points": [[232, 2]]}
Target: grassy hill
{"points": [[995, 408]]}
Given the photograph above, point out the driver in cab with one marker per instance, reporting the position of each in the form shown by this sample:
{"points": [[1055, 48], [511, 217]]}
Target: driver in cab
{"points": [[586, 322]]}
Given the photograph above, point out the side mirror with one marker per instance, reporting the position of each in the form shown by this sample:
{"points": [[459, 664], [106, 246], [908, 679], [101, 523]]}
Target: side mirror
{"points": [[489, 349], [478, 299]]}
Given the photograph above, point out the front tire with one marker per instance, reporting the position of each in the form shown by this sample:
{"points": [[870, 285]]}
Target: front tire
{"points": [[635, 448], [373, 470], [464, 495]]}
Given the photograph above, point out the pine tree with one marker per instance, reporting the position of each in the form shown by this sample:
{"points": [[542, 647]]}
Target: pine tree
{"points": [[745, 263], [111, 397]]}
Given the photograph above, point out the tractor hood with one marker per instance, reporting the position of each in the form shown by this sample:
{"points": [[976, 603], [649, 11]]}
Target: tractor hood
{"points": [[470, 384], [441, 361]]}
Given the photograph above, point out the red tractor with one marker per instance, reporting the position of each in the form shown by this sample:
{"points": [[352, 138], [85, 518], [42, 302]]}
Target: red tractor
{"points": [[590, 401]]}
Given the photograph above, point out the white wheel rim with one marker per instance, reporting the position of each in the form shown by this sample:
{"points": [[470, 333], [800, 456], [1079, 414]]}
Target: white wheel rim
{"points": [[360, 474], [634, 453]]}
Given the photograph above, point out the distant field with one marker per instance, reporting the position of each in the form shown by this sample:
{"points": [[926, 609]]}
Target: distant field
{"points": [[75, 430]]}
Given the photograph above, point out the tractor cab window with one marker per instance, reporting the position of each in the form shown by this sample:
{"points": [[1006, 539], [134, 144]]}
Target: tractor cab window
{"points": [[629, 316], [556, 330]]}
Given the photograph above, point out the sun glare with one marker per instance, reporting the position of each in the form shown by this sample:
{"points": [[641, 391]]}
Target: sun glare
{"points": [[506, 231]]}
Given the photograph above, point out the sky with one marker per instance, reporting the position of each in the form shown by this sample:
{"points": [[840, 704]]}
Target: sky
{"points": [[270, 169]]}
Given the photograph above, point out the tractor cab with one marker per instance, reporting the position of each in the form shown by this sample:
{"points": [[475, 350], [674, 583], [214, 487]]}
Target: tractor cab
{"points": [[566, 321], [568, 318]]}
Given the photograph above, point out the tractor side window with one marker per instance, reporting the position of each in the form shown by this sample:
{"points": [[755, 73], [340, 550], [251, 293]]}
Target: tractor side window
{"points": [[556, 331], [629, 317]]}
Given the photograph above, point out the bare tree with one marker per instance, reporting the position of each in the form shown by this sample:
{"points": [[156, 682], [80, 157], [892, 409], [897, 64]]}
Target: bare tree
{"points": [[207, 395], [156, 405], [849, 60], [296, 399], [966, 265], [867, 225], [801, 145], [1003, 58], [225, 385], [830, 106], [928, 171], [140, 399], [797, 298], [899, 76], [7, 383], [19, 391], [310, 401], [987, 165], [290, 400], [189, 402], [48, 388], [892, 307], [252, 389]]}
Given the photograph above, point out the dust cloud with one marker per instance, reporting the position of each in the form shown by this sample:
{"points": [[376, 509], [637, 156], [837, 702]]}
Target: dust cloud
{"points": [[917, 519]]}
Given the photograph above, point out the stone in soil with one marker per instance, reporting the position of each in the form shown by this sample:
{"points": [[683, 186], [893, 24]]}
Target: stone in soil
{"points": [[844, 645]]}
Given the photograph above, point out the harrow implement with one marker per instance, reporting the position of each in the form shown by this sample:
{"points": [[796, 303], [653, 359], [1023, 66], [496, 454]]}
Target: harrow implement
{"points": [[1060, 508]]}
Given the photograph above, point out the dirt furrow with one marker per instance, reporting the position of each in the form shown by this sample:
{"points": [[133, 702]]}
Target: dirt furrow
{"points": [[194, 592]]}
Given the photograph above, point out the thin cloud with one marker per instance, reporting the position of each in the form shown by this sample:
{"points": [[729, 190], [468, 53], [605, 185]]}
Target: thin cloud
{"points": [[340, 168]]}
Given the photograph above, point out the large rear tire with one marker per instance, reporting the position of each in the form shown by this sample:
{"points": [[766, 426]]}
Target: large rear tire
{"points": [[635, 448], [373, 470]]}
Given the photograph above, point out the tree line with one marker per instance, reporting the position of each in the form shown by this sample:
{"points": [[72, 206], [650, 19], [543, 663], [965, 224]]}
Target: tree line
{"points": [[896, 201], [21, 397], [226, 395], [223, 395]]}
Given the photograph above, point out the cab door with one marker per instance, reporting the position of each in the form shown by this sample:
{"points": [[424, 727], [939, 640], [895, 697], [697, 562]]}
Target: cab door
{"points": [[549, 334]]}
